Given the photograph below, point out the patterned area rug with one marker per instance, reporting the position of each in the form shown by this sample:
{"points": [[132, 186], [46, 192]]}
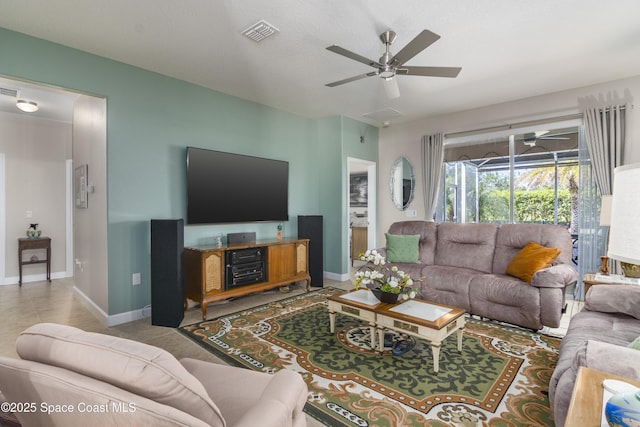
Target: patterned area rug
{"points": [[500, 378]]}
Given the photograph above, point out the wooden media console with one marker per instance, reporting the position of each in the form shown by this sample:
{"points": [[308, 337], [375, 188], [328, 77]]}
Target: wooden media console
{"points": [[205, 270]]}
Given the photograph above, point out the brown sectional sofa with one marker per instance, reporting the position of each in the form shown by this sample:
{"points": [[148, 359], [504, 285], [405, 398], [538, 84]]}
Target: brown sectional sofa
{"points": [[597, 338], [464, 265]]}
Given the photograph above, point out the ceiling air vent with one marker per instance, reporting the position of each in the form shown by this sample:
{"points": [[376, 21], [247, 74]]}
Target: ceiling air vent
{"points": [[260, 31], [384, 115], [8, 92]]}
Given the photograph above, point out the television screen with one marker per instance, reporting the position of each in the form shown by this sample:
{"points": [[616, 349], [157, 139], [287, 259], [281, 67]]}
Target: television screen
{"points": [[226, 187]]}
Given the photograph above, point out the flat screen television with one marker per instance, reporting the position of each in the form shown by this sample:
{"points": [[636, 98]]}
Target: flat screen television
{"points": [[226, 187]]}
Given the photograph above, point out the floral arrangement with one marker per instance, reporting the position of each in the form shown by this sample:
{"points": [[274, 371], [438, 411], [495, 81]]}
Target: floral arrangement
{"points": [[378, 274]]}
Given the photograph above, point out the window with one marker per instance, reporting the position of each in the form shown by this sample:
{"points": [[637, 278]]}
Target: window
{"points": [[530, 177]]}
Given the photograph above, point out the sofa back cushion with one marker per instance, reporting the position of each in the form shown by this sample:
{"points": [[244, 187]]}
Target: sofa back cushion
{"points": [[138, 368], [427, 231], [466, 245], [511, 238]]}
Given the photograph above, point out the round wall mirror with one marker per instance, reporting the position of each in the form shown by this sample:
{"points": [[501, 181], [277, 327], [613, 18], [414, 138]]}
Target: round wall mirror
{"points": [[402, 183]]}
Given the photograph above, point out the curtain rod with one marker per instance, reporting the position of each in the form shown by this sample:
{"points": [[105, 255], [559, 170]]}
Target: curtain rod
{"points": [[521, 124], [513, 125]]}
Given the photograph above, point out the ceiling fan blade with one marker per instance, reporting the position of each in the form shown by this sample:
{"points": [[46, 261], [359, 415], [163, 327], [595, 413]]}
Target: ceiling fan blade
{"points": [[351, 55], [352, 79], [430, 71], [391, 88], [414, 47]]}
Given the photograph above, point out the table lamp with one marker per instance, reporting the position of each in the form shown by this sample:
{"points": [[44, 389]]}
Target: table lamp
{"points": [[624, 235], [605, 221]]}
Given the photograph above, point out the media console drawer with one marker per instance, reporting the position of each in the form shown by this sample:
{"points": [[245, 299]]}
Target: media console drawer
{"points": [[214, 273]]}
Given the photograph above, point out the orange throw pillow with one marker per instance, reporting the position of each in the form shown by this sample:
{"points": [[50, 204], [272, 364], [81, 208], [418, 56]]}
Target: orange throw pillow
{"points": [[530, 259]]}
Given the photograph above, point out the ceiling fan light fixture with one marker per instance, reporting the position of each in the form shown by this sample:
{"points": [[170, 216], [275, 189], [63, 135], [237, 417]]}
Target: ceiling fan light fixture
{"points": [[27, 106]]}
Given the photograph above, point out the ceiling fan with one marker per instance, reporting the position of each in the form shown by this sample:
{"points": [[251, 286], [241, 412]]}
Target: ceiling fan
{"points": [[388, 66], [531, 137]]}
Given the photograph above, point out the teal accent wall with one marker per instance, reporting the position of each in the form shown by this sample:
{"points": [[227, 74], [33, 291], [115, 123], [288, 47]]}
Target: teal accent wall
{"points": [[151, 119], [338, 139], [329, 133]]}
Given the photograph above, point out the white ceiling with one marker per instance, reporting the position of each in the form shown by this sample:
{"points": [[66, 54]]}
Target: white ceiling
{"points": [[508, 49]]}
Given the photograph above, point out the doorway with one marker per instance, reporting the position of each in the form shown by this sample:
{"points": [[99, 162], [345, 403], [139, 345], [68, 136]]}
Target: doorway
{"points": [[361, 208], [36, 174]]}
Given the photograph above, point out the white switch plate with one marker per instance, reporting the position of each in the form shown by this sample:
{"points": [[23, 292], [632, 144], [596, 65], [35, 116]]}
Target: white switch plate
{"points": [[29, 214], [135, 279], [411, 213]]}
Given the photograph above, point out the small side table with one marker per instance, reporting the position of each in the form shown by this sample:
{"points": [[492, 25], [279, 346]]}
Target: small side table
{"points": [[585, 408], [37, 243], [589, 280]]}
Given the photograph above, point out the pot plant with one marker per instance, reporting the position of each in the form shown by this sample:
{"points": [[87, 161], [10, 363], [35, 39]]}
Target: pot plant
{"points": [[387, 284]]}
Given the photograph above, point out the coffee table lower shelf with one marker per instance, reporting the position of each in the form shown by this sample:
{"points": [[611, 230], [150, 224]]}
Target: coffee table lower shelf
{"points": [[422, 319], [434, 336]]}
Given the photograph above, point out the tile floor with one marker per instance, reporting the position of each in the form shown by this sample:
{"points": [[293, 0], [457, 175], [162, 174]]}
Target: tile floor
{"points": [[21, 307]]}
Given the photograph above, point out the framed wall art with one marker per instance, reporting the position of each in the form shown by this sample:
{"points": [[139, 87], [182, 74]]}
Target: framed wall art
{"points": [[80, 187], [358, 190]]}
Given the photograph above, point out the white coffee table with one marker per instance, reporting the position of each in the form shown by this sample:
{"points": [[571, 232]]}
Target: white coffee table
{"points": [[360, 304], [422, 319]]}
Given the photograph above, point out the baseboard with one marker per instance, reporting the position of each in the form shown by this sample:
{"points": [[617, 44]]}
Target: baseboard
{"points": [[129, 316], [35, 278], [114, 319], [336, 276]]}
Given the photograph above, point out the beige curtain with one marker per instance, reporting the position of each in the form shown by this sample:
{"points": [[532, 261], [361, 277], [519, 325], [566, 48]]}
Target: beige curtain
{"points": [[605, 133], [604, 136], [432, 157]]}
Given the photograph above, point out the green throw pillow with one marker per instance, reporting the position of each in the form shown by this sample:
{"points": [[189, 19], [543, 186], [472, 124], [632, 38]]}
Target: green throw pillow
{"points": [[402, 247], [635, 344]]}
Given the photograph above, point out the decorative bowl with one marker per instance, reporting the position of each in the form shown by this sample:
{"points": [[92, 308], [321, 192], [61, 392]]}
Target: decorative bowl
{"points": [[623, 409]]}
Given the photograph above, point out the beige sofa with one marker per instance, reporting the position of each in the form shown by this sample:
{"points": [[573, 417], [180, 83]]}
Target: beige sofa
{"points": [[68, 377], [598, 338], [464, 265]]}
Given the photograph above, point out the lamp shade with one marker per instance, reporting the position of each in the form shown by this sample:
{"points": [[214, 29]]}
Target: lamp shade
{"points": [[605, 210], [624, 235]]}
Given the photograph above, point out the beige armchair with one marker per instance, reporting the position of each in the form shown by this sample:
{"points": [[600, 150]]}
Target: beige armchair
{"points": [[68, 377]]}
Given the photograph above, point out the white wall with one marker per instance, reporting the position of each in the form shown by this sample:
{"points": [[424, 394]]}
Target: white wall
{"points": [[35, 152], [404, 139], [90, 225]]}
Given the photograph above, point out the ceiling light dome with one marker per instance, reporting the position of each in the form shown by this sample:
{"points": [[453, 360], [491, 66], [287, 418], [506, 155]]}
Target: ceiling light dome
{"points": [[27, 106]]}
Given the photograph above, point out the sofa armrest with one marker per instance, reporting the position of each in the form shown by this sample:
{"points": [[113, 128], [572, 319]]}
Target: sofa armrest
{"points": [[556, 276], [609, 358], [281, 400], [614, 299], [266, 413]]}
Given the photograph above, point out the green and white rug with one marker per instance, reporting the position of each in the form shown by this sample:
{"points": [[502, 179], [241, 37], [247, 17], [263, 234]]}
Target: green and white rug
{"points": [[500, 378]]}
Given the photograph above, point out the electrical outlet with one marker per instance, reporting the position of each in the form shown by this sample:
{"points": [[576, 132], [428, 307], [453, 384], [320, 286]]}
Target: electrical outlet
{"points": [[411, 213], [135, 279]]}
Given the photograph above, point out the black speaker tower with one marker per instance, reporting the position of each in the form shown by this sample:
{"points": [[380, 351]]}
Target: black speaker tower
{"points": [[310, 227], [167, 249]]}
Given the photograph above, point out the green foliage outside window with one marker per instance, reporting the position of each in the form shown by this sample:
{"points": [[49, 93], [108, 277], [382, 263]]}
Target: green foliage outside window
{"points": [[531, 206]]}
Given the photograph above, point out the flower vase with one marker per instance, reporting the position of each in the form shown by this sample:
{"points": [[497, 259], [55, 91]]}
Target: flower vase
{"points": [[33, 232], [388, 297]]}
